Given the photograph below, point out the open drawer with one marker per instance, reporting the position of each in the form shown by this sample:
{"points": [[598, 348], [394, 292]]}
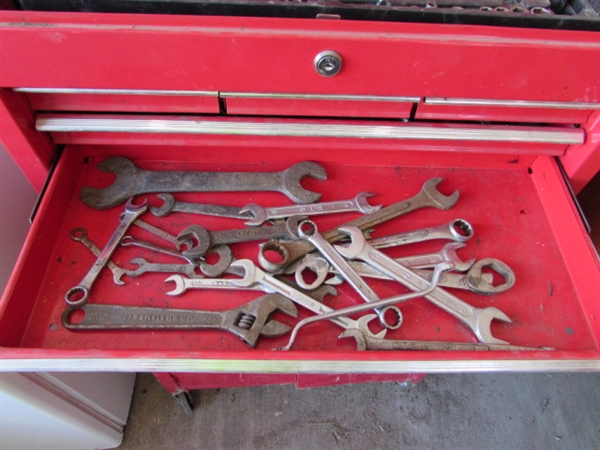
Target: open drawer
{"points": [[520, 209]]}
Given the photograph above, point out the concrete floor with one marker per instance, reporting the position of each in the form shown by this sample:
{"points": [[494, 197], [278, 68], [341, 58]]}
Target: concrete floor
{"points": [[478, 411], [466, 411]]}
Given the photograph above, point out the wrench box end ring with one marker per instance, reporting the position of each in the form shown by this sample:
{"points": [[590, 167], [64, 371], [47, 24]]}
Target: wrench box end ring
{"points": [[71, 297]]}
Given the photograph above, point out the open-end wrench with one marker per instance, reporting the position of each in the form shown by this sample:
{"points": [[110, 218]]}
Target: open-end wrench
{"points": [[203, 239], [170, 205], [131, 180], [477, 319], [248, 321], [367, 343], [261, 215], [146, 267], [161, 234], [79, 234], [458, 230], [129, 241], [307, 230], [253, 274], [360, 308], [429, 196], [78, 295]]}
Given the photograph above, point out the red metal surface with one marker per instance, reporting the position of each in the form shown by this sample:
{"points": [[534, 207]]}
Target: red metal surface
{"points": [[506, 205], [125, 103], [502, 114], [582, 162], [233, 54], [31, 150], [319, 108]]}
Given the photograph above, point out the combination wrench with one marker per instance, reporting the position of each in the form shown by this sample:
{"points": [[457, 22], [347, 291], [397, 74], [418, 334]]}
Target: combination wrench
{"points": [[308, 231], [149, 267], [79, 234], [261, 215], [457, 230], [477, 319], [172, 239], [131, 180], [248, 321], [170, 205], [429, 196], [252, 275], [78, 295]]}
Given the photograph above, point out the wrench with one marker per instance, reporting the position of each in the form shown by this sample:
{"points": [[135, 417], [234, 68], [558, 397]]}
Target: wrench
{"points": [[253, 274], [203, 239], [312, 235], [367, 343], [129, 241], [145, 267], [446, 254], [477, 319], [131, 181], [447, 231], [78, 295], [161, 233], [170, 205], [248, 321], [261, 215], [79, 234], [360, 308], [429, 196]]}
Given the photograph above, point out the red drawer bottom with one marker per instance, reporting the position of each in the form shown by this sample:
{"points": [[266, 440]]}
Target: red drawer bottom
{"points": [[518, 208]]}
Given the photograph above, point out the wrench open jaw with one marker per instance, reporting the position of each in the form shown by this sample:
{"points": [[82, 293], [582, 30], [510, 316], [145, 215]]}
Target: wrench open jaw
{"points": [[248, 321], [477, 319]]}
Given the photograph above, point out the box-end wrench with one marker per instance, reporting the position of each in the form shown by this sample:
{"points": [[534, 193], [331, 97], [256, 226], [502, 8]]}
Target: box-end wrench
{"points": [[253, 274], [203, 240], [367, 343], [248, 321], [78, 295], [261, 215], [457, 230], [308, 231], [131, 180], [429, 196], [79, 234], [360, 308], [477, 319], [170, 205], [446, 254]]}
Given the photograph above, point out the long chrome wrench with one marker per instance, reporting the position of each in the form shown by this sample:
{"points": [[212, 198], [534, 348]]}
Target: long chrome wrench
{"points": [[447, 231], [79, 234], [477, 319], [261, 215], [171, 205], [253, 274], [78, 295], [429, 196]]}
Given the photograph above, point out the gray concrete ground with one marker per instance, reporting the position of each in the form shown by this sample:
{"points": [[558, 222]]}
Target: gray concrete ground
{"points": [[465, 411]]}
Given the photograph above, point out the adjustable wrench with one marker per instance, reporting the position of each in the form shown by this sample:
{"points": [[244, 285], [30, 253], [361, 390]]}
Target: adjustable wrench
{"points": [[203, 239], [79, 234], [367, 343], [253, 274], [131, 180], [261, 215], [170, 205], [312, 235], [447, 231], [78, 295], [248, 321], [477, 319], [429, 196]]}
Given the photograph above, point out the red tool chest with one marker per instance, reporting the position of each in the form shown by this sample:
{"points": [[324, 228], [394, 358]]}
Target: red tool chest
{"points": [[493, 110]]}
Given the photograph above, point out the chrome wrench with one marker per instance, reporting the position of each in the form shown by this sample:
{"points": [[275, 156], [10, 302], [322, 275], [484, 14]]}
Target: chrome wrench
{"points": [[170, 205], [458, 230], [477, 319], [146, 267], [78, 295], [261, 215], [79, 234], [253, 274], [429, 196], [131, 180], [308, 231]]}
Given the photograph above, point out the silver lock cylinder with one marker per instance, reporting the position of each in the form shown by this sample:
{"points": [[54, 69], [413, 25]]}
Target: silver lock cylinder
{"points": [[328, 63]]}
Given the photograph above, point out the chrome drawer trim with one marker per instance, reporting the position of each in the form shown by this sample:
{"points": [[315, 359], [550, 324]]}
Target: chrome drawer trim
{"points": [[72, 91], [443, 101], [328, 97]]}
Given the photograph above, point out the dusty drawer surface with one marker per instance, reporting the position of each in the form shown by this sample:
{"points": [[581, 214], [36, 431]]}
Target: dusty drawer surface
{"points": [[504, 200]]}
